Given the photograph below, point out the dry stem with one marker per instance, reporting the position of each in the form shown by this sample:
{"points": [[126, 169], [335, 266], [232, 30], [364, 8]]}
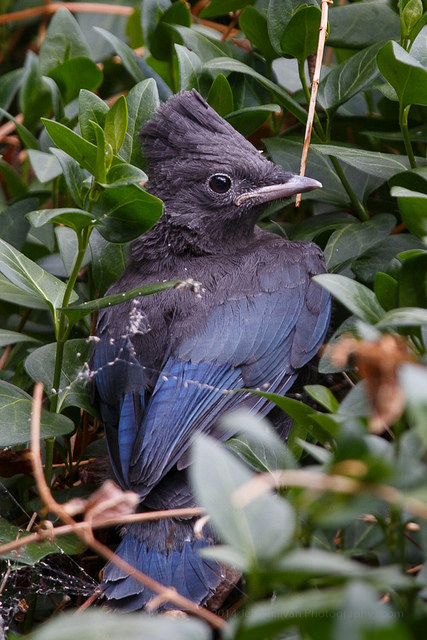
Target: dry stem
{"points": [[314, 87], [53, 7]]}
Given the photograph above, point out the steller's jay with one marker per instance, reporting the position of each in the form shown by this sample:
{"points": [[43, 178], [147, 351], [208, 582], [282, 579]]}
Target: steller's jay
{"points": [[162, 362]]}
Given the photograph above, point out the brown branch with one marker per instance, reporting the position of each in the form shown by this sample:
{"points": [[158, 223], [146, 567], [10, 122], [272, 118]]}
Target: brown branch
{"points": [[53, 7], [85, 532], [314, 87]]}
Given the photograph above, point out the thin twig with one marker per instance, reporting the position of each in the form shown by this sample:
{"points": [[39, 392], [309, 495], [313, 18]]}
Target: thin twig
{"points": [[314, 87], [85, 532], [53, 7]]}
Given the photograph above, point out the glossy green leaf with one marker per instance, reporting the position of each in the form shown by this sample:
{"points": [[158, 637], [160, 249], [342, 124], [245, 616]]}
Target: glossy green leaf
{"points": [[126, 212], [76, 74], [378, 257], [29, 277], [142, 102], [73, 174], [349, 78], [34, 96], [279, 15], [302, 33], [323, 396], [358, 299], [190, 68], [413, 208], [16, 186], [415, 179], [250, 119], [359, 25], [128, 57], [91, 109], [223, 7], [15, 416], [410, 12], [45, 165], [382, 165], [13, 224], [104, 154], [413, 282], [10, 83], [40, 365], [205, 48], [254, 25], [386, 289], [226, 64], [123, 174], [215, 471], [312, 227], [407, 76], [31, 553], [220, 96], [354, 239], [12, 337], [15, 295], [419, 46], [116, 122], [27, 138], [73, 144], [77, 311], [108, 261], [64, 40], [133, 626], [404, 317], [76, 219]]}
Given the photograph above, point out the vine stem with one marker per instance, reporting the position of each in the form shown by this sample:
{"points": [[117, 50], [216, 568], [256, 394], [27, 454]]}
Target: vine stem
{"points": [[403, 121], [358, 206]]}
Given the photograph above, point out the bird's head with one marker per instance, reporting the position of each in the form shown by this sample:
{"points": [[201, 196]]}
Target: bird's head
{"points": [[207, 174]]}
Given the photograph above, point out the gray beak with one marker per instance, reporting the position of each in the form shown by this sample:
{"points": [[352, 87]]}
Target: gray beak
{"points": [[295, 184]]}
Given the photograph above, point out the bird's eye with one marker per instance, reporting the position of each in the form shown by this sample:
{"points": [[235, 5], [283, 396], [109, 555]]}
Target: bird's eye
{"points": [[220, 183]]}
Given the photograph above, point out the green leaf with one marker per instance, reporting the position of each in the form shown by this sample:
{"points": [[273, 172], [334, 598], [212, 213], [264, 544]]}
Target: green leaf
{"points": [[222, 7], [34, 96], [45, 165], [123, 174], [279, 15], [161, 40], [10, 83], [72, 392], [76, 74], [226, 64], [129, 58], [29, 277], [220, 96], [310, 228], [104, 154], [91, 109], [413, 282], [16, 186], [349, 78], [356, 26], [73, 174], [64, 40], [404, 317], [12, 337], [358, 299], [407, 76], [116, 122], [13, 225], [35, 551], [419, 46], [250, 119], [378, 257], [190, 68], [302, 33], [77, 311], [415, 179], [205, 48], [76, 219], [354, 239], [15, 417], [27, 138], [254, 26], [386, 289], [126, 212], [323, 396], [73, 144], [412, 206], [108, 261], [410, 12], [382, 165], [142, 102], [133, 626], [215, 471], [13, 294]]}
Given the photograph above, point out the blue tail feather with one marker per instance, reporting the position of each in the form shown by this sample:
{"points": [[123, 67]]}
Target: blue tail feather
{"points": [[185, 570]]}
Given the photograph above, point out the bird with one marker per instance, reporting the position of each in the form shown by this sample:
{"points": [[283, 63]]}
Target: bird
{"points": [[163, 365]]}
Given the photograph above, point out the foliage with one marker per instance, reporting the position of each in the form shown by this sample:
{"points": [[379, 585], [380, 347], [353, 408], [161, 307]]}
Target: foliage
{"points": [[341, 563]]}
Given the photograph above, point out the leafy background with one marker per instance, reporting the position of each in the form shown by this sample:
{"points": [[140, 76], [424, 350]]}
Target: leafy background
{"points": [[75, 89]]}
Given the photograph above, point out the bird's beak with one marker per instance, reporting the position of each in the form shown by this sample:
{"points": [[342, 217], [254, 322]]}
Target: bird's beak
{"points": [[295, 184]]}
